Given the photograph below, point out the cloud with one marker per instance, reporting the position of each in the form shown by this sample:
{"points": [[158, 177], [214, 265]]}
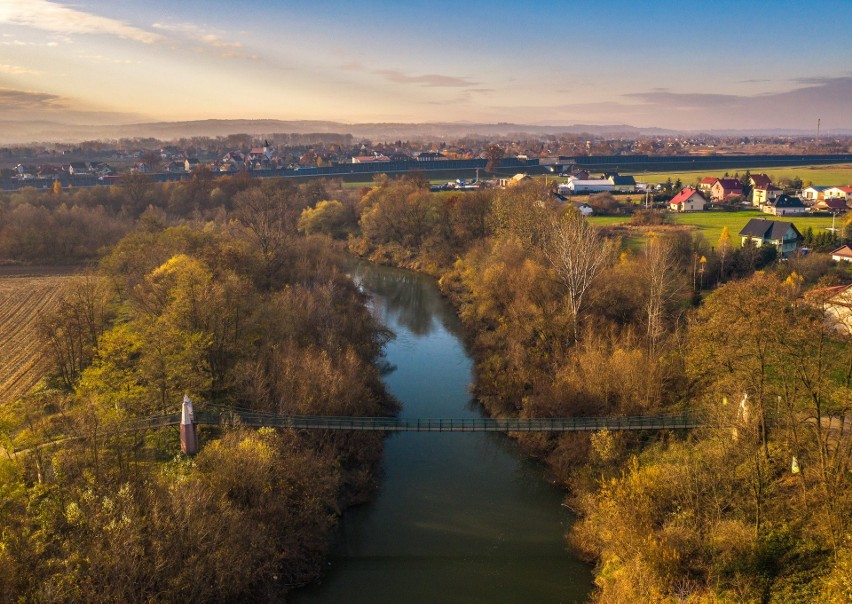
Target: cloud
{"points": [[16, 70], [25, 100], [799, 107], [206, 38], [681, 100], [51, 16], [430, 79]]}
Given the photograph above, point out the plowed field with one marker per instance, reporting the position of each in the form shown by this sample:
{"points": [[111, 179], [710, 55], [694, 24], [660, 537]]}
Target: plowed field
{"points": [[22, 300]]}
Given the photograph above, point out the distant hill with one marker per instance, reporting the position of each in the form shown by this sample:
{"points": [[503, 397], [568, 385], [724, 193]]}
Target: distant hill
{"points": [[20, 132]]}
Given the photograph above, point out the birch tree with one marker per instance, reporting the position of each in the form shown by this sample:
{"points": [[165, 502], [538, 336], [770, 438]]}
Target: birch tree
{"points": [[577, 253]]}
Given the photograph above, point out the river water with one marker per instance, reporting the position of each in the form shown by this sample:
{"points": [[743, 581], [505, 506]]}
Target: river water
{"points": [[459, 517]]}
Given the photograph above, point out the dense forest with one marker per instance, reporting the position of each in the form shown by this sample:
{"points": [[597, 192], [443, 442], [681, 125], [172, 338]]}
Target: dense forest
{"points": [[231, 290], [236, 311]]}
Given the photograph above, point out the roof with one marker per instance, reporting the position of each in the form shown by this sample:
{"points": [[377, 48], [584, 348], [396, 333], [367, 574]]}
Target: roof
{"points": [[730, 183], [761, 180], [598, 182], [623, 180], [684, 195], [844, 251], [826, 294], [772, 230], [708, 180], [786, 201], [817, 188], [834, 203], [846, 190]]}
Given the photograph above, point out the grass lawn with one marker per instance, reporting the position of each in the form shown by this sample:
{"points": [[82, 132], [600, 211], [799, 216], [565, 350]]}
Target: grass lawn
{"points": [[710, 224], [837, 174]]}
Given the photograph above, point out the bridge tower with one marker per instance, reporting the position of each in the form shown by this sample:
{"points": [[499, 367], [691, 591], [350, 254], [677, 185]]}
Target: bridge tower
{"points": [[188, 436]]}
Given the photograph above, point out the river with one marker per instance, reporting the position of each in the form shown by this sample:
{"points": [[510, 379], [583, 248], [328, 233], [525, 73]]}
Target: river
{"points": [[459, 517]]}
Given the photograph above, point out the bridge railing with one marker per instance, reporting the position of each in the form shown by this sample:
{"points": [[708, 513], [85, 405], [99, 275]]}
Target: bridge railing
{"points": [[395, 424]]}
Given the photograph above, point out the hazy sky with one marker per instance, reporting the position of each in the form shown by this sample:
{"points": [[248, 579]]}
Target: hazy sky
{"points": [[676, 64]]}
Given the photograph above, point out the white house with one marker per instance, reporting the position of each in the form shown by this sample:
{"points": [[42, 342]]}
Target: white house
{"points": [[813, 193], [688, 200], [838, 193], [842, 254], [584, 208], [575, 185], [785, 205]]}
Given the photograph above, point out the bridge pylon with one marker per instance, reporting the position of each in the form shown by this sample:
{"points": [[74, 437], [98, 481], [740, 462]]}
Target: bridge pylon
{"points": [[188, 435]]}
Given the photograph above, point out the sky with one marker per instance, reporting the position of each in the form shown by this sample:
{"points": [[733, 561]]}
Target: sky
{"points": [[687, 65]]}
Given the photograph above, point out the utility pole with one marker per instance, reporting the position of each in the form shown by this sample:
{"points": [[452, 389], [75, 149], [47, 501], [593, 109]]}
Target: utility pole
{"points": [[818, 124]]}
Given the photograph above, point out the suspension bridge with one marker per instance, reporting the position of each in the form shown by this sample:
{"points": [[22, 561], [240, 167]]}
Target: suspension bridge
{"points": [[405, 424], [188, 419]]}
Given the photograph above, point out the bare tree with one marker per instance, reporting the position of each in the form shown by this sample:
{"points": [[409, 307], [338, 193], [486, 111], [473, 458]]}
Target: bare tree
{"points": [[663, 283], [578, 254]]}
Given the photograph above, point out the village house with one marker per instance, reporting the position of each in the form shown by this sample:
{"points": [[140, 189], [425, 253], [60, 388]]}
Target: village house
{"points": [[783, 236], [584, 208], [836, 305], [724, 188], [785, 205], [835, 205], [369, 159], [623, 184], [575, 185], [688, 200], [430, 156], [813, 193], [78, 168], [190, 164], [764, 194], [759, 181], [844, 193], [517, 179], [706, 183], [842, 254]]}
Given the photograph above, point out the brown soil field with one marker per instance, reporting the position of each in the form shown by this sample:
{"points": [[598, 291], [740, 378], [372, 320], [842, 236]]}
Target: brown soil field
{"points": [[23, 299]]}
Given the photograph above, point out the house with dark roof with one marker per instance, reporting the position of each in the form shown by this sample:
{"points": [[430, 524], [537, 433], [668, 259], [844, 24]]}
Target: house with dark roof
{"points": [[688, 200], [430, 156], [623, 184], [759, 181], [835, 205], [724, 188], [785, 205], [78, 168], [762, 195], [783, 236]]}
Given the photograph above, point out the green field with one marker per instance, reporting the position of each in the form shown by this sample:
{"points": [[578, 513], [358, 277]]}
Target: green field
{"points": [[710, 224], [837, 175]]}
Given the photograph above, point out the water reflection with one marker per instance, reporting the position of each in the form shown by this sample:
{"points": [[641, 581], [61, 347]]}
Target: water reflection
{"points": [[410, 299]]}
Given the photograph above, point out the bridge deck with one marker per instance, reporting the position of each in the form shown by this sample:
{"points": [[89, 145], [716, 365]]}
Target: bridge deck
{"points": [[394, 424]]}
